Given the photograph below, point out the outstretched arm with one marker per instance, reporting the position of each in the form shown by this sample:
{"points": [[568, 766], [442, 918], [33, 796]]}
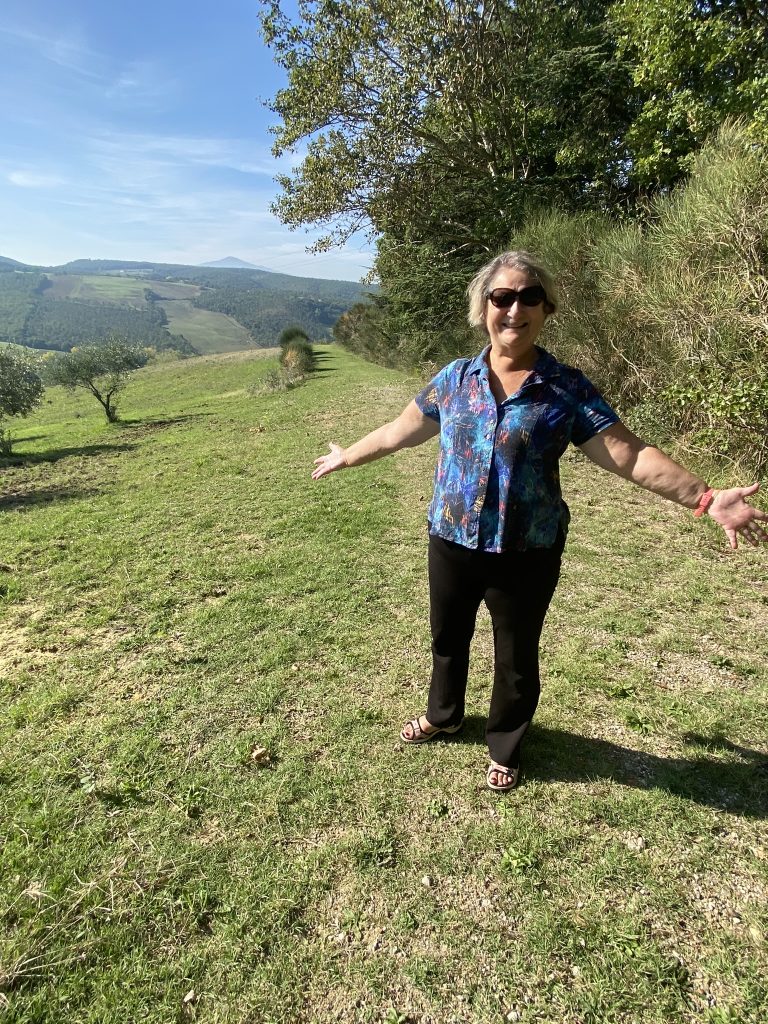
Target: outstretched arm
{"points": [[620, 451], [410, 428]]}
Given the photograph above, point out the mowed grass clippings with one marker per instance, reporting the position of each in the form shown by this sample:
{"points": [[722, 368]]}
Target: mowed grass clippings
{"points": [[206, 660]]}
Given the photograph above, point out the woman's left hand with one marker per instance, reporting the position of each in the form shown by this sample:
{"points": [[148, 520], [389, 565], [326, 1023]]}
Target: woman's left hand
{"points": [[737, 517]]}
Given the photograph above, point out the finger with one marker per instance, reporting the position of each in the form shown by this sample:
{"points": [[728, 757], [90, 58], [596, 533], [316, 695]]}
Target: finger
{"points": [[732, 540], [751, 489]]}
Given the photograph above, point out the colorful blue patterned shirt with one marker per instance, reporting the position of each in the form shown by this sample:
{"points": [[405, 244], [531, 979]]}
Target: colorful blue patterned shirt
{"points": [[497, 482]]}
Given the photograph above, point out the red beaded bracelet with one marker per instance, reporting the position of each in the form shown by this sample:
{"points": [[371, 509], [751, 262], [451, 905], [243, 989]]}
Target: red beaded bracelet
{"points": [[704, 502]]}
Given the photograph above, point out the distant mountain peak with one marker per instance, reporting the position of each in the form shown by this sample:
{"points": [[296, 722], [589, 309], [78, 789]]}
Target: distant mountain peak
{"points": [[233, 263]]}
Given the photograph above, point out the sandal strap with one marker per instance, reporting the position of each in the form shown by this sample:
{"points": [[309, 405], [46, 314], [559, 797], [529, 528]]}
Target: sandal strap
{"points": [[416, 730]]}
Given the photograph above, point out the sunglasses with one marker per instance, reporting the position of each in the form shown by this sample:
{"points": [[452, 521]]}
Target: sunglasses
{"points": [[503, 298]]}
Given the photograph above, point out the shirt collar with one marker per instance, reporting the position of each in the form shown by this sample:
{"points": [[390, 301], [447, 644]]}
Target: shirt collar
{"points": [[545, 366]]}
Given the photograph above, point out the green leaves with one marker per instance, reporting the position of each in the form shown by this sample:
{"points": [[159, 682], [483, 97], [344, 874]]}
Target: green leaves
{"points": [[693, 66], [103, 369], [423, 119], [21, 388]]}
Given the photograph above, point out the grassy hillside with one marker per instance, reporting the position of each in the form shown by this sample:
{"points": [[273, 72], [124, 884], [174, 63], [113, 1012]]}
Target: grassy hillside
{"points": [[208, 332], [206, 660], [128, 291]]}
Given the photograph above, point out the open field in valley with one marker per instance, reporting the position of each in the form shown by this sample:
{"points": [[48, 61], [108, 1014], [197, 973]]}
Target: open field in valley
{"points": [[205, 662], [126, 291], [206, 330]]}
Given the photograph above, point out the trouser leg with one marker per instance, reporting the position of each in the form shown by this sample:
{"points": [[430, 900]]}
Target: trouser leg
{"points": [[517, 601], [454, 598]]}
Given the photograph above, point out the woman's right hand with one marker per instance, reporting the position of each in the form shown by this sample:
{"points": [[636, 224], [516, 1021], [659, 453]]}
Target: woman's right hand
{"points": [[330, 463]]}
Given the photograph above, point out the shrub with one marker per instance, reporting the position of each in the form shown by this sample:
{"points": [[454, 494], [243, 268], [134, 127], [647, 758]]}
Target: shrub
{"points": [[291, 334], [669, 317], [298, 357], [21, 390]]}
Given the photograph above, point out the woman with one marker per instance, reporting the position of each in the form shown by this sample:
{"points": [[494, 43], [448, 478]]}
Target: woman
{"points": [[497, 522]]}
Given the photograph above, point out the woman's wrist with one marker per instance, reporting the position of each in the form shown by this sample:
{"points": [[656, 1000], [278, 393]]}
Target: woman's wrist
{"points": [[705, 502]]}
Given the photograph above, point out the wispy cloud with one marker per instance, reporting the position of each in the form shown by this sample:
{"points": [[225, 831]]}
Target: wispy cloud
{"points": [[33, 179], [68, 51], [143, 83], [157, 151]]}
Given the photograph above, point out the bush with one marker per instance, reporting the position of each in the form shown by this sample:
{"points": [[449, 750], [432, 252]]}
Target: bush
{"points": [[277, 380], [291, 334], [298, 357], [669, 318], [21, 390]]}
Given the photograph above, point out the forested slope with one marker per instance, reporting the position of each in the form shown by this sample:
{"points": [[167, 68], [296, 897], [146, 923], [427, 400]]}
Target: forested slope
{"points": [[88, 299]]}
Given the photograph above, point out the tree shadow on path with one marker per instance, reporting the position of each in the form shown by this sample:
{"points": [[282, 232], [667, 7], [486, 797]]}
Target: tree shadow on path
{"points": [[555, 755]]}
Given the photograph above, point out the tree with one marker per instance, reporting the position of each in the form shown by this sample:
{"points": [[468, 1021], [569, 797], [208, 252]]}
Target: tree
{"points": [[21, 390], [103, 369], [438, 125], [435, 119], [695, 64]]}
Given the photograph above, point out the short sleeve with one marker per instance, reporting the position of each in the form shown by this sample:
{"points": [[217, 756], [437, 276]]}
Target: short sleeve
{"points": [[593, 413], [429, 398]]}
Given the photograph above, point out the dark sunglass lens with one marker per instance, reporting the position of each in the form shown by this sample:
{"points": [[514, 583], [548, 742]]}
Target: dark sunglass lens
{"points": [[532, 296], [502, 298]]}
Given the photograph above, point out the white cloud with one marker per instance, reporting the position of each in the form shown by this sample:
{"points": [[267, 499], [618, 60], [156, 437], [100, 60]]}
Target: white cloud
{"points": [[33, 179], [176, 150], [66, 51], [144, 84]]}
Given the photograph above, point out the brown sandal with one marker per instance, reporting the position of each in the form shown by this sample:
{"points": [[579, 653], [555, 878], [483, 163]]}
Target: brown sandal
{"points": [[419, 735]]}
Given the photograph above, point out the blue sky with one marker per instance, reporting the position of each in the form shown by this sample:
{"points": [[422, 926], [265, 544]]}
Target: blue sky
{"points": [[137, 131]]}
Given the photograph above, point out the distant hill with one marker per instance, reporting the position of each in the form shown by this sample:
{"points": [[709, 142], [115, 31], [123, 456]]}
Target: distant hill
{"points": [[233, 263], [9, 264], [158, 304]]}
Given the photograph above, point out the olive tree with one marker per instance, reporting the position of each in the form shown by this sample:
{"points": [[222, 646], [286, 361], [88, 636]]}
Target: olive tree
{"points": [[102, 368], [21, 390]]}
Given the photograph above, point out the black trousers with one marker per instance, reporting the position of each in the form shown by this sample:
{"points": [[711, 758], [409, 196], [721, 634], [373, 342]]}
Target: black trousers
{"points": [[517, 587]]}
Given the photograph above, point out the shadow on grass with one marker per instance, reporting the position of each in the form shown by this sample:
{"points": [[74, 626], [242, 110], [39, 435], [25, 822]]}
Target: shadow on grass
{"points": [[555, 755], [26, 438], [161, 423], [16, 501], [56, 454], [138, 427]]}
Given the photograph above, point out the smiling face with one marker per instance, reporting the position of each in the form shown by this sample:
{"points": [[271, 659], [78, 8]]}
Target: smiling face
{"points": [[513, 331]]}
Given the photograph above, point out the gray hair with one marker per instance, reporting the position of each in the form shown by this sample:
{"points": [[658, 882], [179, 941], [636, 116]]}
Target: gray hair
{"points": [[516, 259]]}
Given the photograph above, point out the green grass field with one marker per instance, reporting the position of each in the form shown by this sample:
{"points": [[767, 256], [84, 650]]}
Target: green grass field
{"points": [[175, 290], [209, 332], [123, 291], [206, 660]]}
